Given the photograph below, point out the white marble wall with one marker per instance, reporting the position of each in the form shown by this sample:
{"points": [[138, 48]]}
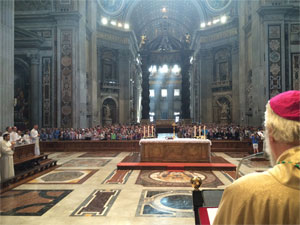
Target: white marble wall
{"points": [[6, 63]]}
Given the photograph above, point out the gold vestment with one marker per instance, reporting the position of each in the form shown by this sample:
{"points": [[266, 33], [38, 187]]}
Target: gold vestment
{"points": [[271, 197]]}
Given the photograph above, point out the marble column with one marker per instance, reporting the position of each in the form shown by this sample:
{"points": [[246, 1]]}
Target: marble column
{"points": [[34, 90], [235, 84], [145, 87], [185, 95], [124, 79], [6, 64]]}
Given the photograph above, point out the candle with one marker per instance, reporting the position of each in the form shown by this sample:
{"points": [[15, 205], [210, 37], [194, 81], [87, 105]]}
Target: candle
{"points": [[144, 131], [199, 131], [195, 131], [204, 131], [148, 130], [152, 131]]}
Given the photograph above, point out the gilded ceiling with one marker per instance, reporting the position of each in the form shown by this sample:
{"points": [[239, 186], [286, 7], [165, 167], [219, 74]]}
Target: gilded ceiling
{"points": [[154, 17]]}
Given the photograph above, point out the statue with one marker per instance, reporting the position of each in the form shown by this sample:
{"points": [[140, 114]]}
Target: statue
{"points": [[187, 38], [224, 112], [106, 111], [143, 41]]}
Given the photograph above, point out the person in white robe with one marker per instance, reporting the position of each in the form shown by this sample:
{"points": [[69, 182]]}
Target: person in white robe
{"points": [[7, 161], [26, 137], [35, 136]]}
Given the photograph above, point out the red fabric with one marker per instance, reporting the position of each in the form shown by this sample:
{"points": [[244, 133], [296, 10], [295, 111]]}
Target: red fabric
{"points": [[287, 105], [173, 166], [203, 216]]}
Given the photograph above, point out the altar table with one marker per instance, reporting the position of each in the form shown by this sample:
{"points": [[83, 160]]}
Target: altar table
{"points": [[175, 150]]}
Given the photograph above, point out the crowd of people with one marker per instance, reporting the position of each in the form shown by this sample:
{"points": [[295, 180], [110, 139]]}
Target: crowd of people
{"points": [[132, 132]]}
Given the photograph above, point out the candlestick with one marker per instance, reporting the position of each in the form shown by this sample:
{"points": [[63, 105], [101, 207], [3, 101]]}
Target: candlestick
{"points": [[199, 131], [148, 130], [144, 131], [195, 131], [204, 131], [152, 131]]}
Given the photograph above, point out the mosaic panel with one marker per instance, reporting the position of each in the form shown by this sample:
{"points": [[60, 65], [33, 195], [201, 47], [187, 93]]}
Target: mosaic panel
{"points": [[30, 202], [165, 203], [46, 79], [97, 204], [86, 163], [118, 177], [160, 178], [66, 77], [274, 58], [100, 154], [64, 177]]}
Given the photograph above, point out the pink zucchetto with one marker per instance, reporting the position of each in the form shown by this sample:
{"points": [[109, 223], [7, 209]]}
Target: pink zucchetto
{"points": [[287, 105]]}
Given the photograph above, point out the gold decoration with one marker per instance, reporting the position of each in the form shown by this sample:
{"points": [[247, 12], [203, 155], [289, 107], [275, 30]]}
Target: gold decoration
{"points": [[196, 183]]}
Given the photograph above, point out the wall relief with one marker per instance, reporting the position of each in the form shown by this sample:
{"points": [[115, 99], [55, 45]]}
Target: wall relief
{"points": [[109, 64], [21, 90], [222, 65]]}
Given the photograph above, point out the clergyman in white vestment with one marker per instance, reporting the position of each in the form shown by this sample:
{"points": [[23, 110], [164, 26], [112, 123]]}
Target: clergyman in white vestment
{"points": [[7, 161], [34, 134]]}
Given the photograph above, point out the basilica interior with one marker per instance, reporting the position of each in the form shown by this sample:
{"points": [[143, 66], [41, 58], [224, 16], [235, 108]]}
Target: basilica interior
{"points": [[210, 61], [86, 63]]}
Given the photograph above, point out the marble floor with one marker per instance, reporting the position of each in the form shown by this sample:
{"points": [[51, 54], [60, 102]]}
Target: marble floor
{"points": [[88, 189]]}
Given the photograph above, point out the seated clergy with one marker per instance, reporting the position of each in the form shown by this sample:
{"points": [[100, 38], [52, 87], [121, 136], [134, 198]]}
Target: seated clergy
{"points": [[272, 197], [7, 162]]}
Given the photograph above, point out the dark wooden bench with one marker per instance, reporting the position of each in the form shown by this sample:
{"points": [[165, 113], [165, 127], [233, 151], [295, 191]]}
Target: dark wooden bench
{"points": [[26, 163]]}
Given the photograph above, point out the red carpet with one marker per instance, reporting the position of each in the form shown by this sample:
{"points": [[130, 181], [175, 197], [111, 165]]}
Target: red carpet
{"points": [[174, 166]]}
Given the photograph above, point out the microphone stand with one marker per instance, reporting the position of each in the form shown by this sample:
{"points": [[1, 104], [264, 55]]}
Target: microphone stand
{"points": [[247, 157]]}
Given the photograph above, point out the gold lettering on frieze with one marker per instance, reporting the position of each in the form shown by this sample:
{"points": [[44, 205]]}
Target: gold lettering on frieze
{"points": [[113, 38], [218, 36]]}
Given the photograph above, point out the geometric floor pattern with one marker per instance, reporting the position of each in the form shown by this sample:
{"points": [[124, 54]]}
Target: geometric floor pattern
{"points": [[98, 193], [97, 204], [66, 176], [30, 202], [86, 163], [118, 177]]}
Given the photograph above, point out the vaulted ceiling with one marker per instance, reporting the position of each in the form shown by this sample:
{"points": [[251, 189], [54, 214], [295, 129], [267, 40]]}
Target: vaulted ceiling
{"points": [[154, 17]]}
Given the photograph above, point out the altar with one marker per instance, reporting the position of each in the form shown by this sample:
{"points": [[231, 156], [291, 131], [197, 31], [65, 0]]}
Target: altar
{"points": [[175, 150]]}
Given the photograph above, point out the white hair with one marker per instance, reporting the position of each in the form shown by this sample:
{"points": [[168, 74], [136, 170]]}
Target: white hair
{"points": [[281, 129]]}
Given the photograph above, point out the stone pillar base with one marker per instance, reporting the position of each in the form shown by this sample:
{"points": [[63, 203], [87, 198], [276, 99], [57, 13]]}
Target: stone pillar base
{"points": [[186, 121], [145, 121], [107, 121]]}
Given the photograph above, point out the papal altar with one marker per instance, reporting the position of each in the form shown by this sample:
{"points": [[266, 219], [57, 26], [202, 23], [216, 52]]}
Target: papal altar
{"points": [[175, 150]]}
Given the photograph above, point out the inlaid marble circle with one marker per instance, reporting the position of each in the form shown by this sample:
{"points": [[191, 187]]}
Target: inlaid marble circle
{"points": [[177, 177], [177, 201]]}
